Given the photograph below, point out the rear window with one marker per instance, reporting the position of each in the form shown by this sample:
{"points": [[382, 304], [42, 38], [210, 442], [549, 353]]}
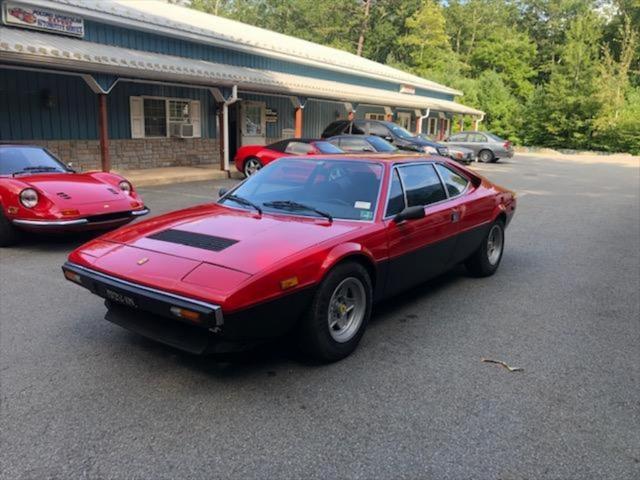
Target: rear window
{"points": [[299, 148], [454, 182], [326, 147], [381, 145]]}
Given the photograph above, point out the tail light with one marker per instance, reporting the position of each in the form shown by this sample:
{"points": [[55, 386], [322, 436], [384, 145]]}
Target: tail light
{"points": [[507, 145]]}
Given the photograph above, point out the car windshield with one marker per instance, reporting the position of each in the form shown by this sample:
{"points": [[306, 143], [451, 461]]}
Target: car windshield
{"points": [[339, 189], [326, 147], [381, 145], [14, 160], [399, 131]]}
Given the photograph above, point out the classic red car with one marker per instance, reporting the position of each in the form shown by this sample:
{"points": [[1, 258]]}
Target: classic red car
{"points": [[306, 245], [39, 193], [251, 158]]}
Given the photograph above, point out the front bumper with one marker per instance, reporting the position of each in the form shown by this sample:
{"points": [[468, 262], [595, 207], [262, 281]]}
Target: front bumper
{"points": [[90, 221], [142, 309]]}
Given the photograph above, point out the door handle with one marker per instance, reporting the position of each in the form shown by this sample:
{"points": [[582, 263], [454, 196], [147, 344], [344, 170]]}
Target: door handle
{"points": [[455, 216]]}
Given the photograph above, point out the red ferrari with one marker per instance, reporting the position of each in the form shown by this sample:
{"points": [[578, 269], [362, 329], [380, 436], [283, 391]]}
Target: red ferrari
{"points": [[305, 245], [251, 158], [39, 193]]}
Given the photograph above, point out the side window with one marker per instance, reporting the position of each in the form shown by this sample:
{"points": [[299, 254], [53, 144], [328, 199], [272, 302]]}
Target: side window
{"points": [[460, 137], [454, 182], [299, 148], [378, 130], [396, 196], [477, 138], [354, 144], [422, 185]]}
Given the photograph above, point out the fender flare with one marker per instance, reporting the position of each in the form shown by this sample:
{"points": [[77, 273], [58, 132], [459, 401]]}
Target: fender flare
{"points": [[344, 251]]}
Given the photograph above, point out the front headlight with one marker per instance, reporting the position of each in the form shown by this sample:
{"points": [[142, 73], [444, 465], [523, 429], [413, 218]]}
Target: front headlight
{"points": [[125, 186], [29, 197], [430, 150]]}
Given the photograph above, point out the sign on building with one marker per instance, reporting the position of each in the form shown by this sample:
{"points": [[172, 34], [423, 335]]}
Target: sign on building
{"points": [[17, 14], [271, 115]]}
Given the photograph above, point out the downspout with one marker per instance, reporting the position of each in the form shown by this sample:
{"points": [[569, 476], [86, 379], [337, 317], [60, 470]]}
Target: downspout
{"points": [[477, 122], [421, 119], [225, 123]]}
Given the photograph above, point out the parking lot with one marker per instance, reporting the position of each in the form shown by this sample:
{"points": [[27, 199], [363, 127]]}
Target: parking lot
{"points": [[82, 398]]}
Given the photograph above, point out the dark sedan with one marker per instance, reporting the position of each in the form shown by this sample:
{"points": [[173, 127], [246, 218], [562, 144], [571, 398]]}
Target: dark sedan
{"points": [[361, 144]]}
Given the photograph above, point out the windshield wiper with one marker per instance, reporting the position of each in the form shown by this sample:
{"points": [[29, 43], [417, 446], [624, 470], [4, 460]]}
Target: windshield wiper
{"points": [[42, 168], [243, 201], [291, 205]]}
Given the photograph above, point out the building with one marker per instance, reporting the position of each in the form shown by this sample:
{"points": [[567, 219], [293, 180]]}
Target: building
{"points": [[141, 84]]}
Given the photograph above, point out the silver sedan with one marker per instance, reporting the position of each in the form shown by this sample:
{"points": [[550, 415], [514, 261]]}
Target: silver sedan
{"points": [[486, 146]]}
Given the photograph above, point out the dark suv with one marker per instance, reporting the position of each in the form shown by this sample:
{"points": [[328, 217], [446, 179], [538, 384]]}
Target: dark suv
{"points": [[391, 132]]}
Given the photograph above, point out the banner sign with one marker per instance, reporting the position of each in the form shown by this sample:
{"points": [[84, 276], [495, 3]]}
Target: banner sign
{"points": [[19, 15], [407, 89], [271, 115]]}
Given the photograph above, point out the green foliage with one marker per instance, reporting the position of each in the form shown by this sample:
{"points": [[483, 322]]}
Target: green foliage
{"points": [[558, 73]]}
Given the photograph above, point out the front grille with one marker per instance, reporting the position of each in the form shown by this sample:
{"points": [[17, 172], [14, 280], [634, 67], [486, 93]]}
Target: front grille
{"points": [[107, 217], [196, 240]]}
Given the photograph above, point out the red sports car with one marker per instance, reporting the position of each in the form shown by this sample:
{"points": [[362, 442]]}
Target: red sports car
{"points": [[305, 245], [251, 158], [39, 193]]}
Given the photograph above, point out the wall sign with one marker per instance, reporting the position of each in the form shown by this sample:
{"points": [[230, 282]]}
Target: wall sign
{"points": [[407, 89], [272, 115], [20, 15]]}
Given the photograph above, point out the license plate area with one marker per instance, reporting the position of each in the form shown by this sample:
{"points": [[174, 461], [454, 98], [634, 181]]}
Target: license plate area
{"points": [[119, 297]]}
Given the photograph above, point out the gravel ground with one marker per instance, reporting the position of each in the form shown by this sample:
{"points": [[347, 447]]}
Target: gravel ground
{"points": [[82, 398]]}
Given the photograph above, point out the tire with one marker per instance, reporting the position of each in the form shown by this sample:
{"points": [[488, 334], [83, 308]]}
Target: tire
{"points": [[485, 156], [327, 332], [8, 233], [486, 259], [251, 166]]}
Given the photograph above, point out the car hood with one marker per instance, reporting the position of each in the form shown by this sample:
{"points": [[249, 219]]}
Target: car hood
{"points": [[73, 188], [235, 239]]}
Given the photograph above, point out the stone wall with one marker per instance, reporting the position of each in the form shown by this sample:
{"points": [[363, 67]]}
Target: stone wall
{"points": [[136, 153]]}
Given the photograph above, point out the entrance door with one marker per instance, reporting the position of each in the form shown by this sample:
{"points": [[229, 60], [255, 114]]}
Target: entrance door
{"points": [[253, 123], [404, 120]]}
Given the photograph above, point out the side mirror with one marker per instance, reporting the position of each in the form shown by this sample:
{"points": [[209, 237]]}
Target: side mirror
{"points": [[222, 192], [388, 138], [70, 167], [410, 213]]}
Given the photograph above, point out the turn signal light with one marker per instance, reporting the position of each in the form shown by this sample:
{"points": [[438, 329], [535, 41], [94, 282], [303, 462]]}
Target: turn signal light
{"points": [[135, 204], [12, 210], [70, 213], [186, 314], [72, 276], [289, 283]]}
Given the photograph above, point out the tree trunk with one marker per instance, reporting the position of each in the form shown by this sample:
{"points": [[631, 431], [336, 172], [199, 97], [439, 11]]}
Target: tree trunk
{"points": [[365, 24]]}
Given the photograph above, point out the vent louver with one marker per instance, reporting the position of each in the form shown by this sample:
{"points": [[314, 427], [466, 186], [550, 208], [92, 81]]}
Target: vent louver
{"points": [[196, 240]]}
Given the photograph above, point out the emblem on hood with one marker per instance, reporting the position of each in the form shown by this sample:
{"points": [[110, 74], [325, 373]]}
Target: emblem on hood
{"points": [[142, 261]]}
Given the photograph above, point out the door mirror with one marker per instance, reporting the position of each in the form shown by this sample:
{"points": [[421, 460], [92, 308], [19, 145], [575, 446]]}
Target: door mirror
{"points": [[70, 167], [388, 138], [222, 192], [410, 213]]}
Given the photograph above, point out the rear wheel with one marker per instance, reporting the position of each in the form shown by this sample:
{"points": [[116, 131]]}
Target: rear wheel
{"points": [[8, 233], [485, 156], [486, 259], [251, 166], [339, 313]]}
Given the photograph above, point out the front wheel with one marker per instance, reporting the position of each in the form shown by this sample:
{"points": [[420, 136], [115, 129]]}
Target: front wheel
{"points": [[486, 259], [251, 166], [8, 233], [339, 313], [485, 156]]}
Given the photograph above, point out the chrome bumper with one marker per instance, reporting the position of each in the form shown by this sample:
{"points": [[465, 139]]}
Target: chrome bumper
{"points": [[70, 223]]}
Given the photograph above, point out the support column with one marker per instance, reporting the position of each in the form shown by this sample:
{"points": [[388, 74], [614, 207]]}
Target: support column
{"points": [[476, 122], [298, 121], [461, 123], [103, 132], [221, 133]]}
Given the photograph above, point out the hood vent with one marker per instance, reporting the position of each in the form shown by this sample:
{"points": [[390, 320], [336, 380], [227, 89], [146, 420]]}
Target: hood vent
{"points": [[63, 195], [196, 240], [113, 190]]}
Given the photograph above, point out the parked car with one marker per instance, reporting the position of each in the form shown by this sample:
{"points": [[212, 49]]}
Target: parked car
{"points": [[459, 154], [487, 146], [39, 193], [362, 143], [389, 131], [251, 158], [306, 245]]}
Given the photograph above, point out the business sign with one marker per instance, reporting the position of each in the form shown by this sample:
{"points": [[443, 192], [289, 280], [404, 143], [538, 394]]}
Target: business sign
{"points": [[271, 115], [407, 89], [20, 15]]}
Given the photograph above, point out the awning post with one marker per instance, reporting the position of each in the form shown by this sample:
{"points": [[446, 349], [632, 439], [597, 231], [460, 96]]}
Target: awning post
{"points": [[103, 132]]}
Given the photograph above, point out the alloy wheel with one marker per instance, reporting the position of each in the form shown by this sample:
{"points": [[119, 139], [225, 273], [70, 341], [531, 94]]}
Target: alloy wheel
{"points": [[347, 309]]}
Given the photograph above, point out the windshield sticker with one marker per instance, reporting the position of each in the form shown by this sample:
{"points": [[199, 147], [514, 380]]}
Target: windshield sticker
{"points": [[366, 215], [363, 205]]}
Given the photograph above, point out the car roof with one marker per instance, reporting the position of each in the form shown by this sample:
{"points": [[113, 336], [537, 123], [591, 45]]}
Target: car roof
{"points": [[378, 157]]}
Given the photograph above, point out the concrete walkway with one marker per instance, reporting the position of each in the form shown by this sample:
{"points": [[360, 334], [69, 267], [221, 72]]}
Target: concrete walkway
{"points": [[162, 176]]}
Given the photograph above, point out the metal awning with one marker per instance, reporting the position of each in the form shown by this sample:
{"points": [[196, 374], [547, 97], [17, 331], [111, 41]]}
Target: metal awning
{"points": [[69, 54]]}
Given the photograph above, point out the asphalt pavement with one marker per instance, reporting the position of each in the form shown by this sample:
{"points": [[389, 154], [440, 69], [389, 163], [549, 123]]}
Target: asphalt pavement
{"points": [[83, 398]]}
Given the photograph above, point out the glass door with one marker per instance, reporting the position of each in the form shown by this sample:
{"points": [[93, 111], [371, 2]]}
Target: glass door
{"points": [[253, 123]]}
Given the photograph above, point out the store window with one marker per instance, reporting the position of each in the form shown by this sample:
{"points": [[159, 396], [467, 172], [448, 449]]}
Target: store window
{"points": [[153, 117]]}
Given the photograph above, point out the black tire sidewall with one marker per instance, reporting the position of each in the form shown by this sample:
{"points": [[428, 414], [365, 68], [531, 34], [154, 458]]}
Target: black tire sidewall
{"points": [[316, 338], [478, 264]]}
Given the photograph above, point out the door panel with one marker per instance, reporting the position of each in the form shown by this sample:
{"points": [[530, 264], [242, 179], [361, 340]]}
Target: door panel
{"points": [[253, 124]]}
